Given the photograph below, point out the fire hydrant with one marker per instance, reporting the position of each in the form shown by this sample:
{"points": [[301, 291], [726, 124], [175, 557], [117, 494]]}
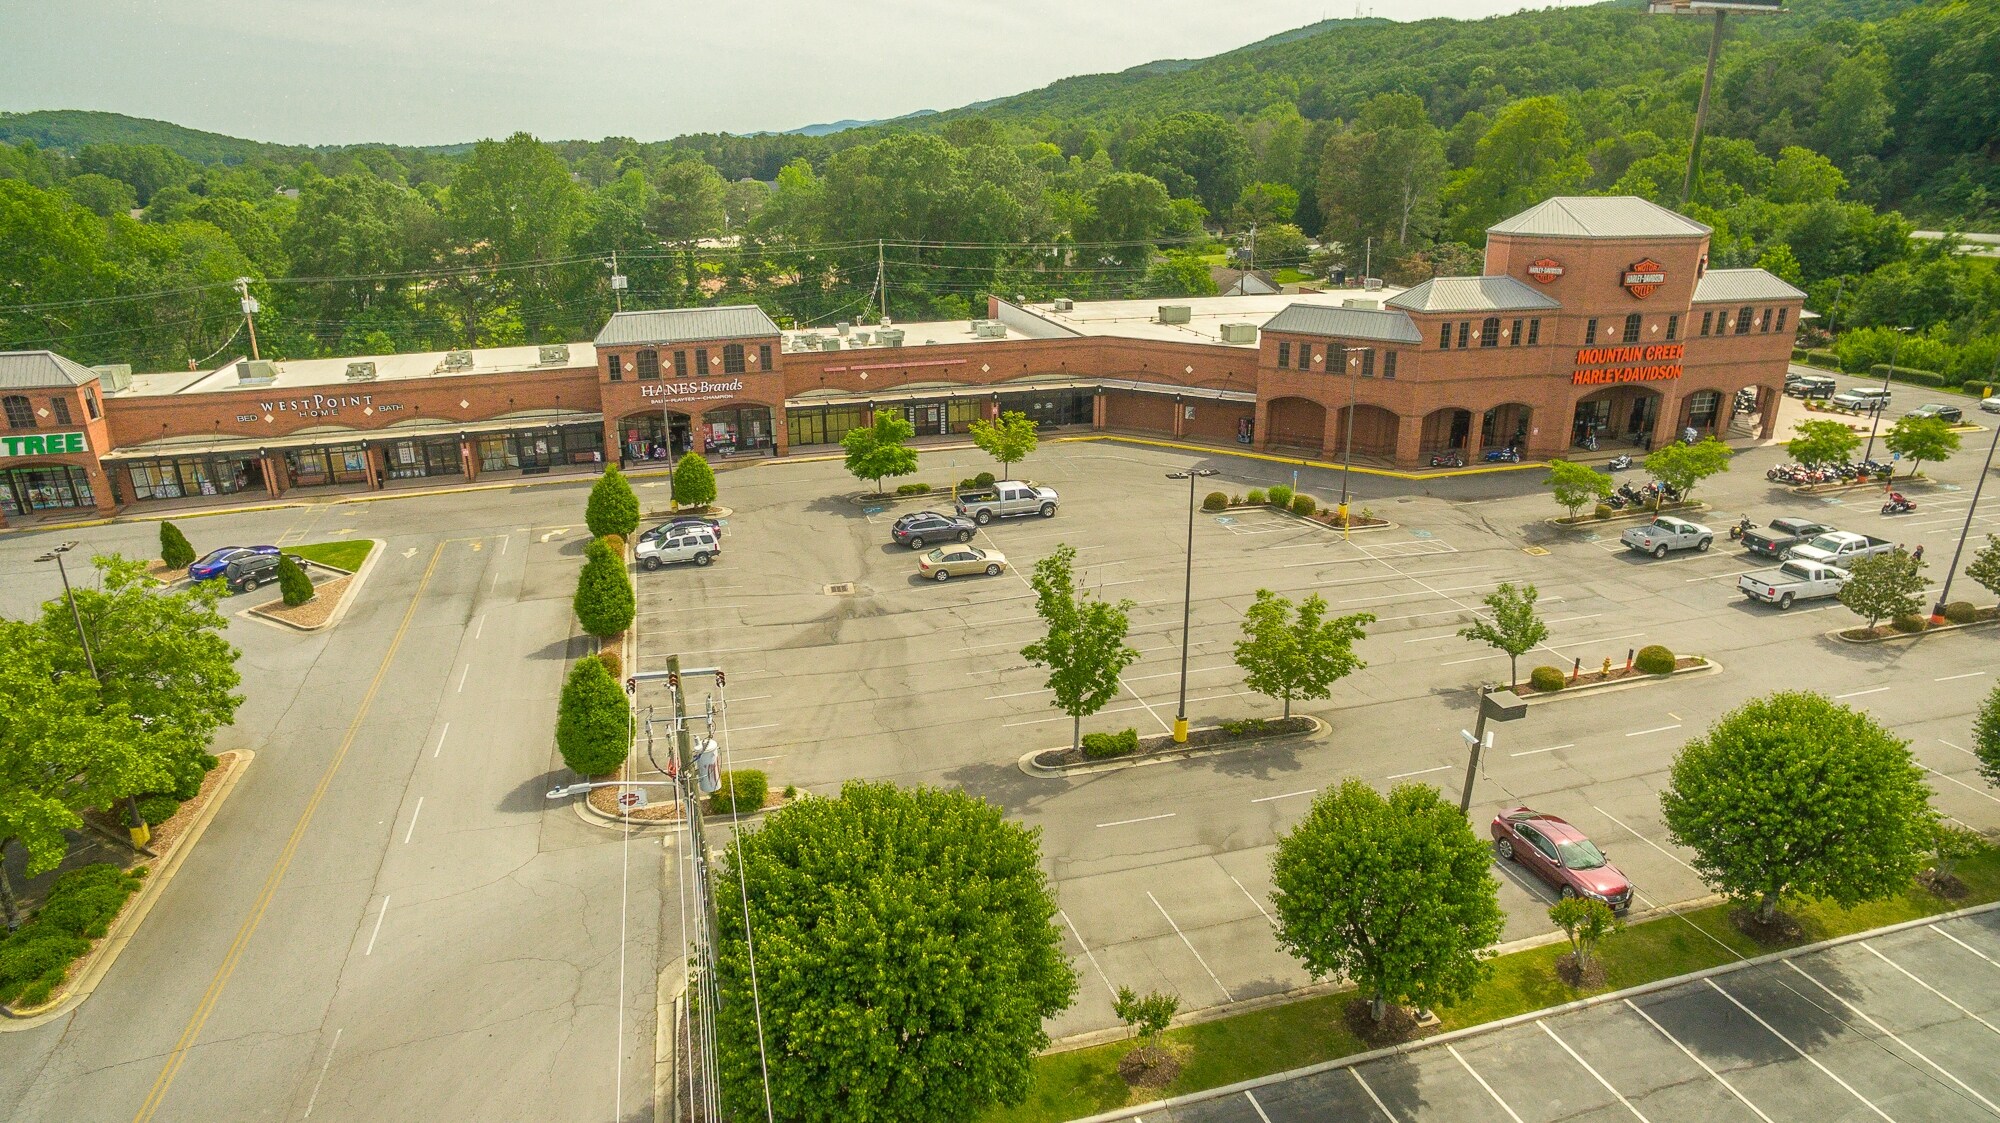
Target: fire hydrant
{"points": [[1607, 666]]}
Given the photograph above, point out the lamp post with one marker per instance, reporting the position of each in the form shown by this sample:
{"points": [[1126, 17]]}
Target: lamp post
{"points": [[1894, 354], [1347, 445], [1500, 705], [141, 833], [1187, 598], [1944, 594]]}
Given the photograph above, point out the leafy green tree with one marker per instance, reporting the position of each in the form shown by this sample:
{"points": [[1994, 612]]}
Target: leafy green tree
{"points": [[1381, 179], [1984, 568], [101, 193], [512, 202], [1292, 651], [604, 603], [1514, 627], [1986, 737], [175, 551], [1085, 649], [689, 204], [1575, 485], [878, 451], [1280, 244], [1950, 845], [357, 231], [694, 481], [1148, 1014], [1129, 210], [1682, 466], [1267, 203], [1884, 587], [1586, 922], [1010, 440], [293, 582], [906, 958], [593, 723], [1822, 442], [1529, 154], [613, 507], [1921, 438], [1796, 796], [1178, 273], [1197, 155], [1393, 893]]}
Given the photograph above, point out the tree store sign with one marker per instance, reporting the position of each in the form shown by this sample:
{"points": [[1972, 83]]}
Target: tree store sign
{"points": [[702, 391], [1659, 362], [43, 444]]}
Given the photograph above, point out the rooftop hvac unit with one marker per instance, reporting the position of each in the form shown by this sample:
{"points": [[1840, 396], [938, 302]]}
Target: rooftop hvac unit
{"points": [[114, 376], [862, 338], [829, 344], [1239, 333], [1065, 304], [256, 370], [841, 327], [1371, 283], [553, 354], [890, 337], [992, 329], [1362, 302], [361, 372], [1176, 314], [456, 360], [885, 323]]}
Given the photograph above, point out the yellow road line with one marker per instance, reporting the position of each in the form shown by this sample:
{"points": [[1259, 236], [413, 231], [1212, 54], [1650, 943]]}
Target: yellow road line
{"points": [[264, 897]]}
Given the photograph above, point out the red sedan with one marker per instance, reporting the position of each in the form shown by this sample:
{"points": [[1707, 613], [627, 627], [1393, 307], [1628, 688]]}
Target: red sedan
{"points": [[1561, 855]]}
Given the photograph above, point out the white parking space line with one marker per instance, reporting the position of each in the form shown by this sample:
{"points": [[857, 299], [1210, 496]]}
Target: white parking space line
{"points": [[1455, 1055], [1129, 822], [1287, 795], [1953, 678], [1533, 889], [1871, 949], [1355, 1071], [1960, 748], [1960, 783], [1655, 729], [1255, 1104], [1599, 1077], [1259, 905], [1745, 1100], [1087, 953], [1859, 693], [1807, 1057], [1891, 1035], [1226, 996], [1420, 772], [1641, 837], [1963, 944], [1550, 749]]}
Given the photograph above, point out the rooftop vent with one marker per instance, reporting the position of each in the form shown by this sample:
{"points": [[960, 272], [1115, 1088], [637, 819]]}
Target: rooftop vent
{"points": [[1176, 314], [114, 376], [361, 372], [554, 354], [1065, 304], [842, 327], [890, 337], [989, 329], [829, 344], [256, 370], [1371, 283], [1361, 302], [885, 323], [1239, 333], [456, 360]]}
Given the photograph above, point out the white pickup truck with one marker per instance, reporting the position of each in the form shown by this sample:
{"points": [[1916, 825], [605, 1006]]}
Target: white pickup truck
{"points": [[1007, 499], [1667, 533], [1793, 581], [1840, 548]]}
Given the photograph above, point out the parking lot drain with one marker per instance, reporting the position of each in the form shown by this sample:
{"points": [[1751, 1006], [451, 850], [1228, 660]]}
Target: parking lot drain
{"points": [[1535, 551], [843, 589]]}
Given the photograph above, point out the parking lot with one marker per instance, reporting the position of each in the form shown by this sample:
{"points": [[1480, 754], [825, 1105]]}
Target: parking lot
{"points": [[1899, 1027], [1162, 872]]}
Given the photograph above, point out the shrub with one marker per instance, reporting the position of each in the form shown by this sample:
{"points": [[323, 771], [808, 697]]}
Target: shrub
{"points": [[614, 663], [1101, 746], [1546, 678], [741, 790], [1235, 501], [592, 723], [157, 809], [80, 907], [175, 552], [603, 603], [614, 543], [694, 482], [1961, 612], [968, 484], [1978, 388], [913, 489], [984, 479], [1654, 660], [189, 784], [1907, 624], [791, 792], [1304, 505], [1907, 374], [293, 584], [1281, 496], [613, 507], [1603, 511], [1215, 501], [1257, 498]]}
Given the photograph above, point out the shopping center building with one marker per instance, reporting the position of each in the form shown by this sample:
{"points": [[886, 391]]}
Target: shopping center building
{"points": [[1596, 319]]}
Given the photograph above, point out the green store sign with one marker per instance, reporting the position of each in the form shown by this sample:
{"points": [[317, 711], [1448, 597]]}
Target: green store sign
{"points": [[43, 444]]}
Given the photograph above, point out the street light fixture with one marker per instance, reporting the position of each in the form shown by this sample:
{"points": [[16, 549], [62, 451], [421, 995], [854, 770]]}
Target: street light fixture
{"points": [[1895, 354], [1187, 598], [141, 833]]}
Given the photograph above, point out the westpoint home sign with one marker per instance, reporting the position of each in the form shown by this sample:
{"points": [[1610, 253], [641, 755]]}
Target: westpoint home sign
{"points": [[325, 405], [690, 391], [1660, 362], [43, 444]]}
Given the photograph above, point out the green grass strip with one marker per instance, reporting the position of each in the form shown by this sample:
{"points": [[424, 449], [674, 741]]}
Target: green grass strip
{"points": [[346, 555]]}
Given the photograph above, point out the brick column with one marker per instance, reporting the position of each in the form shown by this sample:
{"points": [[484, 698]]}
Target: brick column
{"points": [[781, 432], [1180, 422], [270, 475], [468, 461], [1409, 440], [1260, 426], [1097, 409], [371, 459]]}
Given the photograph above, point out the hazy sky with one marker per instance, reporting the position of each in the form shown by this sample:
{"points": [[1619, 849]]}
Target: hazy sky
{"points": [[427, 72]]}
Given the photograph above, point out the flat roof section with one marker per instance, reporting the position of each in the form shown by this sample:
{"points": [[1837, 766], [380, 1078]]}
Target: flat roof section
{"points": [[293, 374], [1139, 319]]}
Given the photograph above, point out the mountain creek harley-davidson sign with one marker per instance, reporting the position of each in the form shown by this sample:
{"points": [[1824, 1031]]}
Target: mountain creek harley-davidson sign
{"points": [[1659, 362], [1644, 278]]}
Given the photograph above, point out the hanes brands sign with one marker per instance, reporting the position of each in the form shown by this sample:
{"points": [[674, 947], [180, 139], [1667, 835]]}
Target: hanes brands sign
{"points": [[1644, 278], [689, 391], [1659, 362]]}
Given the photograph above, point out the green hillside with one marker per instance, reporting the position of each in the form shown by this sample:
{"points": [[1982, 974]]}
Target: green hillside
{"points": [[69, 130]]}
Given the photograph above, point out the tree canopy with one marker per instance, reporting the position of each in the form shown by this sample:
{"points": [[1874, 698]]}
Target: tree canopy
{"points": [[878, 451], [1510, 624], [1084, 647], [613, 507], [1293, 651]]}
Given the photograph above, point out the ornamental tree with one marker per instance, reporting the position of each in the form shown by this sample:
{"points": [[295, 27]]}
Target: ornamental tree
{"points": [[1514, 628], [1292, 651], [175, 550], [1884, 587], [1586, 922], [694, 481], [880, 450], [1919, 439], [613, 507], [1986, 737], [1797, 796], [593, 727], [1822, 442], [1682, 466], [293, 582], [1393, 892], [1149, 1015], [1985, 566], [905, 959], [603, 602], [1085, 649], [1575, 485], [1008, 440]]}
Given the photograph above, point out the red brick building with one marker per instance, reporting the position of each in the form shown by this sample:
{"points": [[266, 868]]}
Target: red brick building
{"points": [[1595, 317]]}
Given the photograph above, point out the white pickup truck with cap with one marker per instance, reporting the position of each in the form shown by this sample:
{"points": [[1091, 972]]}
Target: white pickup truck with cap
{"points": [[1667, 533], [1007, 499], [1793, 581], [1840, 548]]}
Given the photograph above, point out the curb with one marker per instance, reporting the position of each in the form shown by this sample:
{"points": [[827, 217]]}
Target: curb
{"points": [[1452, 1036], [1326, 465], [129, 920], [1027, 761], [934, 494], [347, 595], [1628, 516], [1935, 629], [1712, 667], [1886, 484]]}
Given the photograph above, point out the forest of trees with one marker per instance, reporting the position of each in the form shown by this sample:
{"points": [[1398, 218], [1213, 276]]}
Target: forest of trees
{"points": [[1397, 144]]}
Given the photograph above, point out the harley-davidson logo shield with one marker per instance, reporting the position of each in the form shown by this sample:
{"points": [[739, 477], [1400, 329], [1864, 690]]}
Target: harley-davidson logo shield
{"points": [[1544, 270], [1644, 278]]}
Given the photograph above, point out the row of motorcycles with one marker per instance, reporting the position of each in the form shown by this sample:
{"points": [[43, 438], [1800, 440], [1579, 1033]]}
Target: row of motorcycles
{"points": [[1844, 472], [1647, 496], [1452, 458]]}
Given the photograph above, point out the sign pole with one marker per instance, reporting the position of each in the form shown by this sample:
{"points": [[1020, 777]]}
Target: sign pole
{"points": [[1701, 110]]}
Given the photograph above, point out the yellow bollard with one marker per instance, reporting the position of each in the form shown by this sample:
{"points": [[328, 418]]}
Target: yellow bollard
{"points": [[1180, 731]]}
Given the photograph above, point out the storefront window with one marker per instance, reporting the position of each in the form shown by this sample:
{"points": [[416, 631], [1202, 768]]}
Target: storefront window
{"points": [[320, 467], [24, 490], [738, 429], [193, 475]]}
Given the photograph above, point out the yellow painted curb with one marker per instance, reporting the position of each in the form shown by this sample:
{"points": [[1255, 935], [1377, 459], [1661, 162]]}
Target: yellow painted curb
{"points": [[1387, 473]]}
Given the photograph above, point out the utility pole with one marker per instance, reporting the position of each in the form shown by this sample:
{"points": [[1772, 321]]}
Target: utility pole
{"points": [[1253, 246], [618, 282], [881, 281], [691, 781], [250, 309]]}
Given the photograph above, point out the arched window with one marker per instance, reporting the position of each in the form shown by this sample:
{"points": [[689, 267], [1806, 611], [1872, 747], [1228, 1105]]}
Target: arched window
{"points": [[732, 358], [649, 365], [1745, 316], [1489, 332], [1632, 328], [20, 414]]}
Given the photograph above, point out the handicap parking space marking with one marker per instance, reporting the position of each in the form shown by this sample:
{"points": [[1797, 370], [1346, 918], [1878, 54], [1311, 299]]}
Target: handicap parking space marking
{"points": [[1225, 520], [1420, 534]]}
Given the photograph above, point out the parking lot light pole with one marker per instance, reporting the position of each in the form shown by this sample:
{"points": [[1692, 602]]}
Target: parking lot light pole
{"points": [[1500, 705], [1944, 594], [141, 833], [1894, 354], [1347, 446], [1187, 598]]}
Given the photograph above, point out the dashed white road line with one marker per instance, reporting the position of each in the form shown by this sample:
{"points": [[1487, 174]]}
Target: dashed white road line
{"points": [[378, 925], [1226, 996], [413, 820], [1599, 1077], [1807, 1057], [1655, 729], [314, 1098], [462, 676], [1420, 772], [1474, 1073], [1950, 678], [1129, 822], [1859, 693], [440, 744], [1287, 795], [1719, 1079]]}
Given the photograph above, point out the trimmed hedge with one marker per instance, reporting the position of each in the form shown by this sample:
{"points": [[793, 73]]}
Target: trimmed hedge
{"points": [[1214, 501], [1281, 495], [80, 907], [1304, 505], [293, 585], [913, 489], [157, 809], [1257, 497], [1979, 388], [1908, 374], [613, 662], [741, 790], [1654, 660], [1604, 511], [1102, 746], [175, 552], [1961, 612], [1547, 679], [1908, 624]]}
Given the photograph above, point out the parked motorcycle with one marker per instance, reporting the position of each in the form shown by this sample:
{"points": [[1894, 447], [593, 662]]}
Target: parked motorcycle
{"points": [[1743, 526], [1631, 495], [1897, 504], [1618, 463], [1590, 442], [1503, 456], [1449, 458]]}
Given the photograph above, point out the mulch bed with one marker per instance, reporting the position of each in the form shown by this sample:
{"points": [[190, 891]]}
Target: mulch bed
{"points": [[1884, 631], [1398, 1024], [1354, 522], [1152, 1067], [315, 612], [1945, 885], [164, 574], [665, 808], [1588, 977], [1249, 732], [1682, 663], [1777, 932]]}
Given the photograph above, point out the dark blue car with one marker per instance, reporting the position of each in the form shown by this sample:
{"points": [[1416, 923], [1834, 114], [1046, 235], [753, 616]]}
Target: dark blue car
{"points": [[218, 560]]}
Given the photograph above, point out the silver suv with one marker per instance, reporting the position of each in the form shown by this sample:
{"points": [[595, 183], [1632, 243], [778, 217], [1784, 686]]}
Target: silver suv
{"points": [[1867, 400], [694, 543]]}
